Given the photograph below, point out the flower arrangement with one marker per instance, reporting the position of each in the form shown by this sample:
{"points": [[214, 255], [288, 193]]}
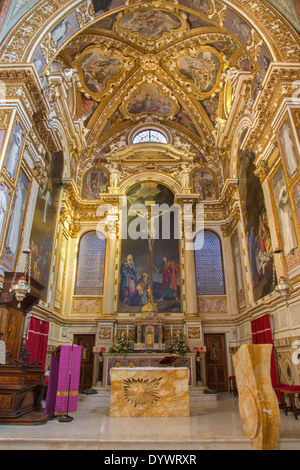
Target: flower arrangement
{"points": [[121, 346], [179, 345]]}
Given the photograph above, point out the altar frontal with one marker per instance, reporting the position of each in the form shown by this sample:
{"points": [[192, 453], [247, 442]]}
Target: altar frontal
{"points": [[149, 392]]}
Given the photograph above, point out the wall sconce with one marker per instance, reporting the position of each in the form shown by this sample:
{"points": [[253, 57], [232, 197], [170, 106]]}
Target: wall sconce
{"points": [[22, 287], [284, 288]]}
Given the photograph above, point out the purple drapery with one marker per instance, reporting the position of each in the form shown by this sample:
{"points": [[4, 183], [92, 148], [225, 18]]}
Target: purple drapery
{"points": [[62, 394]]}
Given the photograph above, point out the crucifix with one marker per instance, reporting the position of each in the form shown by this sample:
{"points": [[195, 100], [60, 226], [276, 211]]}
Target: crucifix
{"points": [[151, 239]]}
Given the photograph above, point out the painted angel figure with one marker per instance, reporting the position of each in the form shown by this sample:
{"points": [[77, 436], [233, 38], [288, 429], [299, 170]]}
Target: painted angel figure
{"points": [[118, 145], [181, 145]]}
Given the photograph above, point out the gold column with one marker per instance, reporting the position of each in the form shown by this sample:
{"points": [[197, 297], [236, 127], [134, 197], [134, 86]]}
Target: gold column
{"points": [[110, 261], [109, 276], [190, 280], [190, 286], [230, 280]]}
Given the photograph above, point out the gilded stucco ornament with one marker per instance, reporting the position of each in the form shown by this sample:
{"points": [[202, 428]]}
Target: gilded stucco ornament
{"points": [[36, 23], [262, 170], [100, 69], [150, 96]]}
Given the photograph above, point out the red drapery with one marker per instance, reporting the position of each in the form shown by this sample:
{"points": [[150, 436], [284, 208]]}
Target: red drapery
{"points": [[262, 334], [37, 340]]}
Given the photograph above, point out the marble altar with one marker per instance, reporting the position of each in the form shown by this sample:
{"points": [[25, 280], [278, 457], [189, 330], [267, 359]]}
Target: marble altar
{"points": [[149, 392], [151, 359]]}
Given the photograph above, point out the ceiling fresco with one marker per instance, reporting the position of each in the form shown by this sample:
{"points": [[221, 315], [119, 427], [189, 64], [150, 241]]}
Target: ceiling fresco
{"points": [[167, 65], [129, 62]]}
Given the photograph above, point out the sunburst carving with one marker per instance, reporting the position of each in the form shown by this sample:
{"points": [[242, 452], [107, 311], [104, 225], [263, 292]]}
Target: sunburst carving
{"points": [[141, 391]]}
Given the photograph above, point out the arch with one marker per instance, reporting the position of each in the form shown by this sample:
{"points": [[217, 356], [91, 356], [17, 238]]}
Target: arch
{"points": [[244, 124], [209, 264], [90, 264], [60, 131]]}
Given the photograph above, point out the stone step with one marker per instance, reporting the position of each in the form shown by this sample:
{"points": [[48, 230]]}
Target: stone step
{"points": [[194, 392]]}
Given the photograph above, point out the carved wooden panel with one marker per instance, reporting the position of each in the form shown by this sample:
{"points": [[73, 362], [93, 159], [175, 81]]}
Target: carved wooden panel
{"points": [[12, 322]]}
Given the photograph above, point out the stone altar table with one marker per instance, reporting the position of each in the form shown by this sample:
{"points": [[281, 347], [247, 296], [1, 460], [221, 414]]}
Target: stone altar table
{"points": [[151, 359], [149, 392]]}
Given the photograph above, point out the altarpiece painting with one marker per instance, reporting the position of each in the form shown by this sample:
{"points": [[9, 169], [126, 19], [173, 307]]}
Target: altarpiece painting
{"points": [[149, 259]]}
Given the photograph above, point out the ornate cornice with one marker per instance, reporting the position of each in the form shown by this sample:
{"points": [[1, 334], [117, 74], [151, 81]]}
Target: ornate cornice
{"points": [[279, 85], [21, 83]]}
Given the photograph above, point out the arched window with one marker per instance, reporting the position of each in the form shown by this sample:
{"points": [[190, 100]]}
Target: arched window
{"points": [[150, 135], [209, 264], [90, 264]]}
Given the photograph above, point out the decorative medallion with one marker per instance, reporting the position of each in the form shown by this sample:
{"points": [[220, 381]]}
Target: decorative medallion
{"points": [[202, 69], [141, 391], [98, 68], [149, 98]]}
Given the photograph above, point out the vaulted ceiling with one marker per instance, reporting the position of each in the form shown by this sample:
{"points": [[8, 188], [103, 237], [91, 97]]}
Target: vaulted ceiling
{"points": [[160, 63], [168, 65]]}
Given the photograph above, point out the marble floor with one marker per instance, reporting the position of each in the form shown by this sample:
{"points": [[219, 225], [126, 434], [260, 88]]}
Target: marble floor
{"points": [[214, 424]]}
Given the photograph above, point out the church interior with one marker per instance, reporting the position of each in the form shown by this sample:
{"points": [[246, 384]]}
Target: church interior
{"points": [[149, 224]]}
